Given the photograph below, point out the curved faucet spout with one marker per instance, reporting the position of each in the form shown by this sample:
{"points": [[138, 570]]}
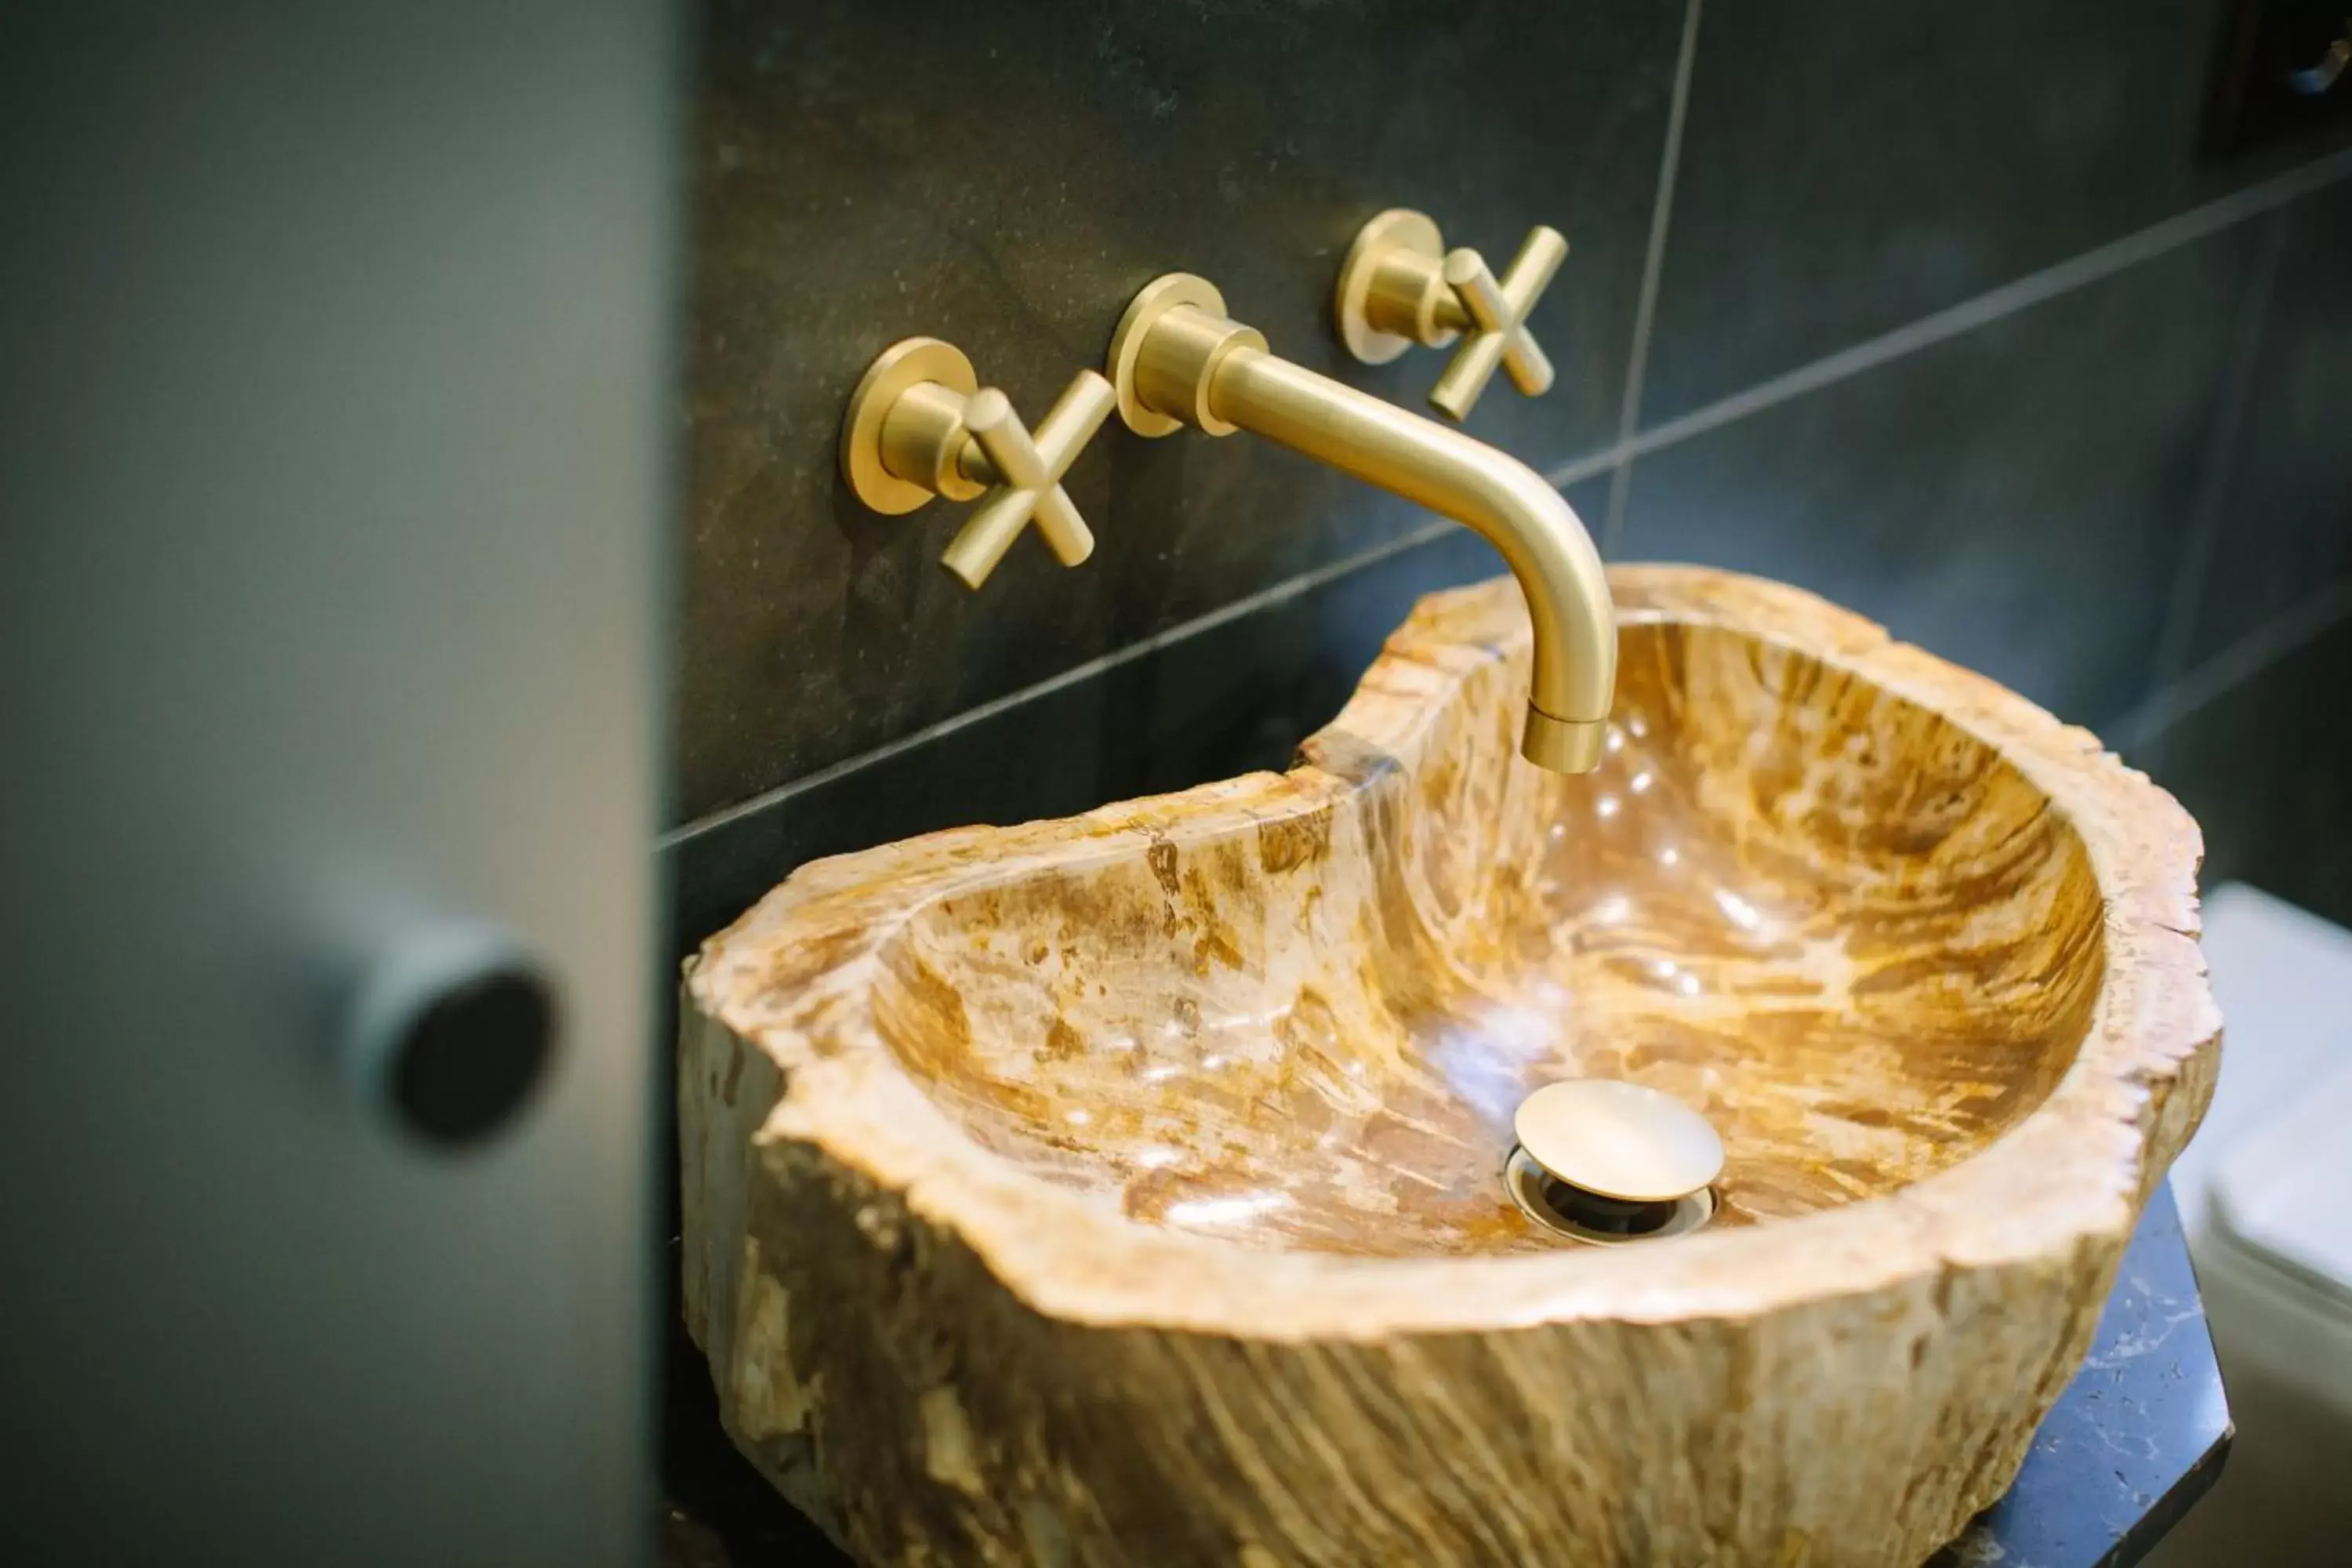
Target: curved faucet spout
{"points": [[1507, 502], [1177, 359]]}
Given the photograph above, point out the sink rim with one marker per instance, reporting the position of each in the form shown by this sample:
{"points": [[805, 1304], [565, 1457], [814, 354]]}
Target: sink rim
{"points": [[2077, 1166]]}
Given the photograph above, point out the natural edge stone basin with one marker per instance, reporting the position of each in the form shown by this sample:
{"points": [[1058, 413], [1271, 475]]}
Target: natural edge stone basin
{"points": [[1127, 1188]]}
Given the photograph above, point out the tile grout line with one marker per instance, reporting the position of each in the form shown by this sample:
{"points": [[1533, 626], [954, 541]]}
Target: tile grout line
{"points": [[1288, 588], [1653, 266], [2281, 636], [2033, 289], [2022, 293], [2220, 457]]}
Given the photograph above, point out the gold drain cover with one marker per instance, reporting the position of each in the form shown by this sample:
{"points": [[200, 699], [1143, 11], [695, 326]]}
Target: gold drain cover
{"points": [[1621, 1140]]}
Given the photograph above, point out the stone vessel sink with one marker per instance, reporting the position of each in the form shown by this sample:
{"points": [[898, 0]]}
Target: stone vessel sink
{"points": [[1127, 1188]]}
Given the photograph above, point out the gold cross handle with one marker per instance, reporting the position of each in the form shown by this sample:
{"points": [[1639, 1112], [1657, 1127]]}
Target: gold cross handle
{"points": [[1029, 475], [1399, 287], [920, 425], [1498, 314]]}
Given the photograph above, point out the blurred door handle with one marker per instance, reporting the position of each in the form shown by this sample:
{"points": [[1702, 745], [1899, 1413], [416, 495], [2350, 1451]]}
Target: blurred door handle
{"points": [[452, 1029]]}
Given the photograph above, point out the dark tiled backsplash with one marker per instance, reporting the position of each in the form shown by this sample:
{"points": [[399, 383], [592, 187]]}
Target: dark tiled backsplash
{"points": [[1847, 169], [865, 173], [2284, 530], [2016, 499]]}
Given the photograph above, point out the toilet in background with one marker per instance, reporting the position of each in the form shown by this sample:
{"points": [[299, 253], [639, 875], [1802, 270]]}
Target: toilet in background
{"points": [[2265, 1195]]}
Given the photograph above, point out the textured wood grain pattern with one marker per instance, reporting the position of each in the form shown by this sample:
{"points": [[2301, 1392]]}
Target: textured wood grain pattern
{"points": [[1127, 1189]]}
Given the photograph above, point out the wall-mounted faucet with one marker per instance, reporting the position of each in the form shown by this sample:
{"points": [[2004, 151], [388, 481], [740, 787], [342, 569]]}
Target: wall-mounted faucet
{"points": [[1177, 360], [1400, 285], [919, 424]]}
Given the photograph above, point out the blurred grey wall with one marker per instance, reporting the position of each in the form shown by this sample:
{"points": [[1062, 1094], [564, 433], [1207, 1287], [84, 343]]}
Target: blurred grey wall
{"points": [[335, 405]]}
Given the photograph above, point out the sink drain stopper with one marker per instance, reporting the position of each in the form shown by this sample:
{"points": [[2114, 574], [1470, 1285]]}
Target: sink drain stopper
{"points": [[1606, 1161]]}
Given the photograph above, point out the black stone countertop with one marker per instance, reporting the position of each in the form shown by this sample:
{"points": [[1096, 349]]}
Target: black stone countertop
{"points": [[2137, 1437]]}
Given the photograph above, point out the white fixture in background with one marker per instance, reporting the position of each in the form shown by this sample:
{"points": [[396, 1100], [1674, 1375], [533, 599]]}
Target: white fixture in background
{"points": [[2265, 1195]]}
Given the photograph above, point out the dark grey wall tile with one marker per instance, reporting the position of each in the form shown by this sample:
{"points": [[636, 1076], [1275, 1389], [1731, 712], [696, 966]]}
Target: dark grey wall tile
{"points": [[1237, 696], [2014, 499], [2264, 769], [1006, 179], [2284, 525], [1849, 168]]}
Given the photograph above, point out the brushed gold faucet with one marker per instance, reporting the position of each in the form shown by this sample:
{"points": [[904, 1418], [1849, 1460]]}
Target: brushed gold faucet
{"points": [[1177, 360]]}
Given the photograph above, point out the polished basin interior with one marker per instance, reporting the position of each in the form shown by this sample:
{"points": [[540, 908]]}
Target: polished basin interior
{"points": [[1857, 940], [1130, 1187]]}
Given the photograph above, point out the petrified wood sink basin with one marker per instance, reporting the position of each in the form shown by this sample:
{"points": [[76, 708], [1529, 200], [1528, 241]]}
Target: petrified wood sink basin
{"points": [[1127, 1189]]}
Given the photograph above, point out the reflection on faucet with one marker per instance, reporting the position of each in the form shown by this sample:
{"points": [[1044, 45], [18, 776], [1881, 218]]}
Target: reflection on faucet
{"points": [[1177, 360]]}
